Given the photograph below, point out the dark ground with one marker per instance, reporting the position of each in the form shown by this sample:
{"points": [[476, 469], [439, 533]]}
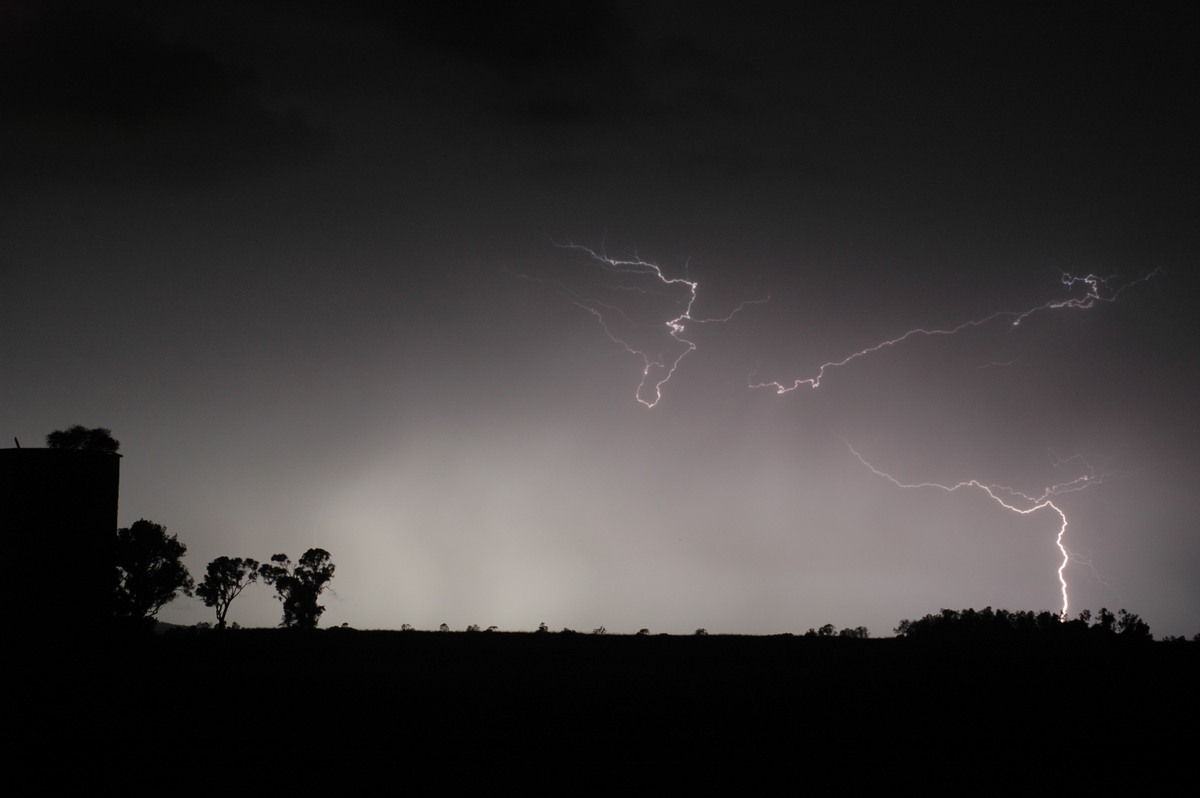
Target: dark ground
{"points": [[560, 690]]}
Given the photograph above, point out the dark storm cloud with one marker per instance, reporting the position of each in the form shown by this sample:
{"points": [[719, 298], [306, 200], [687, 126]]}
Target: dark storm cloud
{"points": [[559, 94], [90, 92], [550, 63], [570, 64], [521, 39]]}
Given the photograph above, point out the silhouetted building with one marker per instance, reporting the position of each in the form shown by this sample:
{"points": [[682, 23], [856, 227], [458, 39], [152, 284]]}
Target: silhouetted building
{"points": [[58, 515]]}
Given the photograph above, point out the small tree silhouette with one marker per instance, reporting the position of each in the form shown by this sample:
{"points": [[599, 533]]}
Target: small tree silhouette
{"points": [[83, 439], [1132, 628], [225, 580], [149, 571], [299, 587]]}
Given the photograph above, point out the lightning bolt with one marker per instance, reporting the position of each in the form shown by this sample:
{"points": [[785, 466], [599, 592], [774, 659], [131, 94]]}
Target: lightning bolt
{"points": [[1018, 502], [657, 370], [1097, 289]]}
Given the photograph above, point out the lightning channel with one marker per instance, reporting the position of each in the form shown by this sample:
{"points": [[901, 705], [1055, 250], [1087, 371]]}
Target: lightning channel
{"points": [[1096, 290], [657, 369], [1018, 502]]}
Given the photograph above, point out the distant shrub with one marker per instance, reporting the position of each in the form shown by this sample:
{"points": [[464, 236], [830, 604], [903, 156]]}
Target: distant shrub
{"points": [[82, 439]]}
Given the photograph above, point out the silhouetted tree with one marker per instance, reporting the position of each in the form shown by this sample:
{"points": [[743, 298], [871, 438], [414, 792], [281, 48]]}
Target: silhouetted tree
{"points": [[225, 580], [300, 586], [149, 571], [83, 439], [1132, 628], [1106, 623]]}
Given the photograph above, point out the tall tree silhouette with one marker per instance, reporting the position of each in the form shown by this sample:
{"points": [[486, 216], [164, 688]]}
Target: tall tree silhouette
{"points": [[225, 580], [299, 586], [149, 571]]}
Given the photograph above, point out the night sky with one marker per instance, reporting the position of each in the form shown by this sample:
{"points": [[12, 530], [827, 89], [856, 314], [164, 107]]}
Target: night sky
{"points": [[306, 260]]}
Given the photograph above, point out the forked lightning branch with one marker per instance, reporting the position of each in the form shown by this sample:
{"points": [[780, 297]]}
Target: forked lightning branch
{"points": [[657, 369]]}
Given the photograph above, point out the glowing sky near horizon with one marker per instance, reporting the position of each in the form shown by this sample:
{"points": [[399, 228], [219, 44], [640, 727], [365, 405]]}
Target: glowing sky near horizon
{"points": [[279, 250]]}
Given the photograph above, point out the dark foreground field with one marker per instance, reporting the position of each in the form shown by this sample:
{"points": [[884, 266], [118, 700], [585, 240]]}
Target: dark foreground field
{"points": [[563, 690]]}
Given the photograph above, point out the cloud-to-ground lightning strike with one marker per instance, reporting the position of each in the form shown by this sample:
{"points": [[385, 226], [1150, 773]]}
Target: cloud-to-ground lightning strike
{"points": [[1097, 290], [656, 370], [1017, 502]]}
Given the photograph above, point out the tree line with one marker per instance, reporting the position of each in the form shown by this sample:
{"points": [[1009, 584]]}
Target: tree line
{"points": [[150, 573], [988, 625]]}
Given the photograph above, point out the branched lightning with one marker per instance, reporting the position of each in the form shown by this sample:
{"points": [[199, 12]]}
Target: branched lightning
{"points": [[1097, 290], [656, 370], [1018, 502]]}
